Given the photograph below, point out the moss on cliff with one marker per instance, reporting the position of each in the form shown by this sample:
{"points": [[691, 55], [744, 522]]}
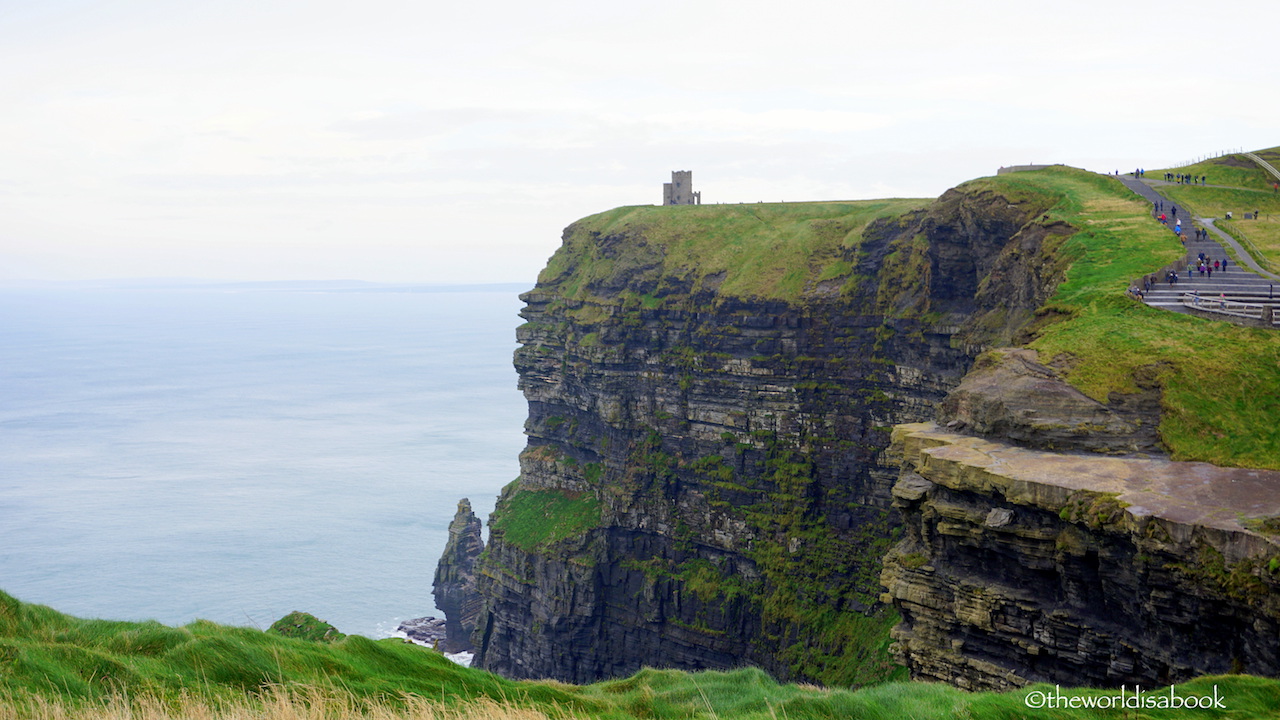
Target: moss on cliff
{"points": [[819, 599], [536, 519]]}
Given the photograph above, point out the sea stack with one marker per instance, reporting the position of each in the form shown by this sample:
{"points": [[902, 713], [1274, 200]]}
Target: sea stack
{"points": [[455, 581]]}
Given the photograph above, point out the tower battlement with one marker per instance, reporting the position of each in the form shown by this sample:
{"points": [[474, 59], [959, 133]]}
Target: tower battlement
{"points": [[680, 190]]}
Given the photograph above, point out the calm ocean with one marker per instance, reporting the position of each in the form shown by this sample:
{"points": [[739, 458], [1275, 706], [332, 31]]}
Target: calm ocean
{"points": [[234, 454]]}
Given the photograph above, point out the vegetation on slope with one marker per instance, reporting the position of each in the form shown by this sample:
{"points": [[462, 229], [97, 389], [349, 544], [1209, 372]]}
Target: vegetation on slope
{"points": [[305, 626], [55, 666], [768, 251], [1215, 378], [46, 654], [1238, 186], [537, 518], [1218, 380], [1233, 170]]}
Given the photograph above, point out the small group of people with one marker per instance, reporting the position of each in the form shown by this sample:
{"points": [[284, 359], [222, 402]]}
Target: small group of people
{"points": [[1186, 178], [1222, 299], [1205, 266], [1162, 217]]}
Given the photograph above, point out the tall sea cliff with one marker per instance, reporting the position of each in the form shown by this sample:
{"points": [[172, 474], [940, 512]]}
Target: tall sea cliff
{"points": [[709, 482]]}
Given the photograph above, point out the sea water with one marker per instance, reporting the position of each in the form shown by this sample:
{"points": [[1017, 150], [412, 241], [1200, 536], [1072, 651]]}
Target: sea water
{"points": [[236, 453]]}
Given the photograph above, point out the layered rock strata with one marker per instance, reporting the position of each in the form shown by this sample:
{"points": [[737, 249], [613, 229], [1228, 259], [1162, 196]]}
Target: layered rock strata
{"points": [[455, 580], [703, 485], [1009, 394], [1020, 565]]}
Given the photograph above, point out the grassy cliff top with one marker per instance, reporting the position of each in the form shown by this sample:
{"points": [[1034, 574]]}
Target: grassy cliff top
{"points": [[1234, 170], [1220, 383], [56, 666], [766, 250], [1237, 185]]}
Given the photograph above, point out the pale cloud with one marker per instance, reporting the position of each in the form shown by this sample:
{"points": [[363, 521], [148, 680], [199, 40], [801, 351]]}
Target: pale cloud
{"points": [[394, 140]]}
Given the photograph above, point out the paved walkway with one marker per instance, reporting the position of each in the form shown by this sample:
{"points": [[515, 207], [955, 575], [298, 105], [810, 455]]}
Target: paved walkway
{"points": [[1250, 283]]}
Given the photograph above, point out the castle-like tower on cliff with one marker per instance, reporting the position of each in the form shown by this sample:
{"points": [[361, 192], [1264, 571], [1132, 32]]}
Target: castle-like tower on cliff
{"points": [[680, 190]]}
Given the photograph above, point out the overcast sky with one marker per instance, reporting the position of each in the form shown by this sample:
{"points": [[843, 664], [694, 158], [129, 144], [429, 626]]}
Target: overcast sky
{"points": [[452, 142]]}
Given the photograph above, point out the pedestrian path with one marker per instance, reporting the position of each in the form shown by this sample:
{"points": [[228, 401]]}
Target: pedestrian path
{"points": [[1238, 291]]}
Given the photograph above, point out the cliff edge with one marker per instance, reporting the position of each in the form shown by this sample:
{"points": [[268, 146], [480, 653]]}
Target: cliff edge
{"points": [[708, 480], [710, 389], [1021, 565]]}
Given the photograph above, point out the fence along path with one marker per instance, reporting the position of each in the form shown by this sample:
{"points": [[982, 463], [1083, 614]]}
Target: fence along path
{"points": [[1237, 292], [1263, 164]]}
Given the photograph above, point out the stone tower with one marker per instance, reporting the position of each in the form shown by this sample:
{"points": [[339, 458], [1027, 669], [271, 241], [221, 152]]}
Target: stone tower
{"points": [[680, 190]]}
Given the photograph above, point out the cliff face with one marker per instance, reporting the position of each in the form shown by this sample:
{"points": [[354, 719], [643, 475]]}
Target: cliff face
{"points": [[1019, 565], [704, 485], [709, 482], [455, 579]]}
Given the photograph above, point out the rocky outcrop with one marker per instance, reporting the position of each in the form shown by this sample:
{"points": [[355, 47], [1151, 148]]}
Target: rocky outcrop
{"points": [[455, 580], [1009, 394], [709, 482], [704, 484], [1020, 565], [429, 631]]}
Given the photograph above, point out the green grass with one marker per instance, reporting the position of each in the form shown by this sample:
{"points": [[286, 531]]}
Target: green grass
{"points": [[752, 695], [1113, 344], [46, 654], [203, 670], [1234, 170], [1262, 236], [305, 626], [765, 251], [534, 519], [1219, 380]]}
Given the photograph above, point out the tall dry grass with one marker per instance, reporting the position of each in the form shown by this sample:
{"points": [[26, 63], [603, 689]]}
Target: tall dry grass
{"points": [[276, 704]]}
